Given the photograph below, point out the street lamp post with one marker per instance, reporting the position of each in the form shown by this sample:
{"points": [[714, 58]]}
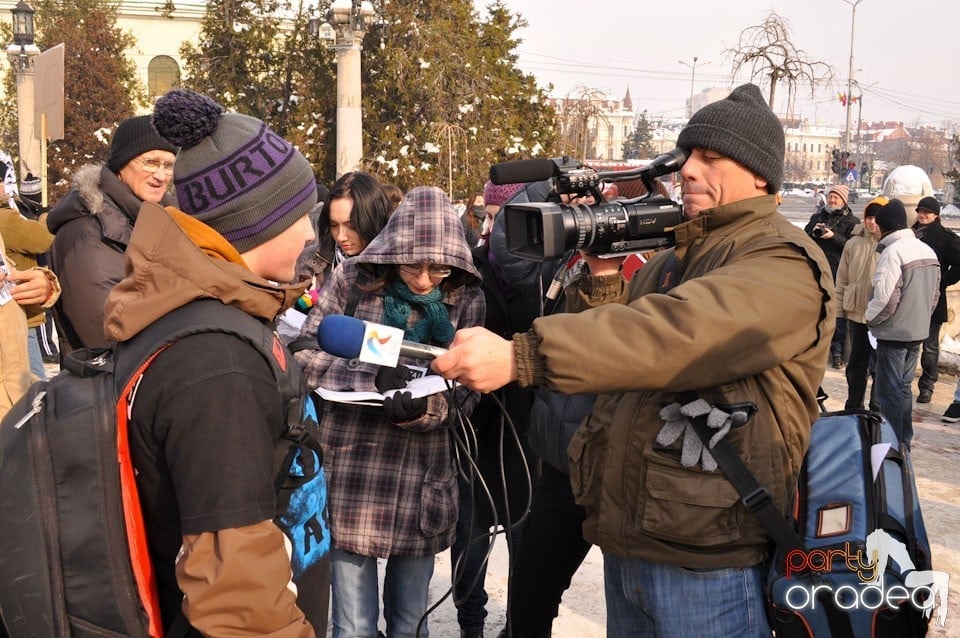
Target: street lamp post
{"points": [[693, 76], [853, 21], [23, 56], [346, 23]]}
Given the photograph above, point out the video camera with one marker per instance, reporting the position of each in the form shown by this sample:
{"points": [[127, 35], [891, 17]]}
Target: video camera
{"points": [[546, 230]]}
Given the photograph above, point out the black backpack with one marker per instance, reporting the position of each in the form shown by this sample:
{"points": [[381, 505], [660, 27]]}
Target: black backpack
{"points": [[74, 560]]}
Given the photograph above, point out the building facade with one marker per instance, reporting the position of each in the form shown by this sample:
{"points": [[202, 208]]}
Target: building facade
{"points": [[159, 35]]}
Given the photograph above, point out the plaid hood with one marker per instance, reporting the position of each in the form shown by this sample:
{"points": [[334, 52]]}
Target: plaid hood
{"points": [[424, 228]]}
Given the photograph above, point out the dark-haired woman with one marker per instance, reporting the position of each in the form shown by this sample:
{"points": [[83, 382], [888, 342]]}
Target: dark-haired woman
{"points": [[355, 211]]}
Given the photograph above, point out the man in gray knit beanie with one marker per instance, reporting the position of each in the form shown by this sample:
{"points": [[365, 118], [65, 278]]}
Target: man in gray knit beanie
{"points": [[738, 312], [743, 128]]}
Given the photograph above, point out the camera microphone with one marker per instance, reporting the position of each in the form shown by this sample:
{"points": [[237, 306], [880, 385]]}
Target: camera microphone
{"points": [[351, 338], [522, 171]]}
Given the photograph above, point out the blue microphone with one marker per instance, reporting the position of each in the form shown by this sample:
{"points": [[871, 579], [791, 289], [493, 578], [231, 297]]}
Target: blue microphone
{"points": [[351, 338]]}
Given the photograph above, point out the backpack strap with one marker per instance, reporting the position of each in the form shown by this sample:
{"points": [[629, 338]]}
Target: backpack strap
{"points": [[754, 496], [131, 360]]}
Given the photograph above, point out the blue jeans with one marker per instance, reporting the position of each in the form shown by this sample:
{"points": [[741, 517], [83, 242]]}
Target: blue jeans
{"points": [[356, 609], [665, 601], [36, 356], [896, 367]]}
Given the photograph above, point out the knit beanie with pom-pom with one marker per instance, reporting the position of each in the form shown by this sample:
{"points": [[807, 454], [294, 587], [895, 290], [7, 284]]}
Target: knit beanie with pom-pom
{"points": [[232, 172]]}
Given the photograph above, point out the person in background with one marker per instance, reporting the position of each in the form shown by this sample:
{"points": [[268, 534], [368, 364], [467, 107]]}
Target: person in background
{"points": [[21, 292], [946, 245], [27, 239], [393, 485], [207, 425], [503, 457], [906, 287], [92, 225], [394, 194], [740, 310], [472, 219], [854, 289], [831, 227], [29, 201], [494, 197], [355, 210]]}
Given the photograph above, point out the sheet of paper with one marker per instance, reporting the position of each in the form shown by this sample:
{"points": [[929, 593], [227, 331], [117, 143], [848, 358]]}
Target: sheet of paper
{"points": [[878, 452], [420, 387]]}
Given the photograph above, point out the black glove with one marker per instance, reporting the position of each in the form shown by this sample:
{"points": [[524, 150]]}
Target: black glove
{"points": [[402, 407], [392, 378]]}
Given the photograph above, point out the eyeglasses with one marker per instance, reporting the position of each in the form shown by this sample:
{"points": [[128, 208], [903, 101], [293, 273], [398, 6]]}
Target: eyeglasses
{"points": [[435, 271], [152, 166]]}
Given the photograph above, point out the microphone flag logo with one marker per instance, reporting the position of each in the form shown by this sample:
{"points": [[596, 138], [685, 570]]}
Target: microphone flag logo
{"points": [[381, 345]]}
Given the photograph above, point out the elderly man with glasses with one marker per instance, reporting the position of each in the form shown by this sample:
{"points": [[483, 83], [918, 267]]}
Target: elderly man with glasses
{"points": [[93, 222]]}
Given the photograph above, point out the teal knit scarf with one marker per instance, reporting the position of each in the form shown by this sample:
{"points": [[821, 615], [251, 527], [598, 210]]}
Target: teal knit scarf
{"points": [[435, 324]]}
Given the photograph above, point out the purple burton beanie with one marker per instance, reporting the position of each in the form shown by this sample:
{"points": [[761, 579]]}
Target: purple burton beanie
{"points": [[232, 172]]}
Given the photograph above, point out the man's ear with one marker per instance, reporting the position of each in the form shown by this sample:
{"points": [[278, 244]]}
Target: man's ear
{"points": [[760, 183]]}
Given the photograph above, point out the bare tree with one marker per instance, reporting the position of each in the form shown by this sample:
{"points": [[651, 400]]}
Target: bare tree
{"points": [[579, 114], [766, 50]]}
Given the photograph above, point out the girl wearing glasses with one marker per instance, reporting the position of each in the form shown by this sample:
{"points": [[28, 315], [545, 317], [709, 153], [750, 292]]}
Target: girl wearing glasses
{"points": [[93, 222], [392, 480]]}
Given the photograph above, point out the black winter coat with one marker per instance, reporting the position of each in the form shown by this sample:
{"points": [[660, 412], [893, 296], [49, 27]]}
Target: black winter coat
{"points": [[508, 311], [946, 244], [842, 223]]}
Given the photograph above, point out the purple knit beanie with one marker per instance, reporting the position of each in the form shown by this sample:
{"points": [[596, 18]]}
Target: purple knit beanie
{"points": [[232, 172], [499, 194]]}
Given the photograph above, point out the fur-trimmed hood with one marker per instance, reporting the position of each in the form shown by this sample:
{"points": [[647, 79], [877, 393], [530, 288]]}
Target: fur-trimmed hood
{"points": [[95, 191]]}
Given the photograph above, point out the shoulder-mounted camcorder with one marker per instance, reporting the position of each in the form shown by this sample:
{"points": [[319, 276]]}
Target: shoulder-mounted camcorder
{"points": [[542, 231]]}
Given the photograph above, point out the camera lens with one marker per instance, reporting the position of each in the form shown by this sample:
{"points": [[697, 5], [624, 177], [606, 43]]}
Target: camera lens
{"points": [[817, 232]]}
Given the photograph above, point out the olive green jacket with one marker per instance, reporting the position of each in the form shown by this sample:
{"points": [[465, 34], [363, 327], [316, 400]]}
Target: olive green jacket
{"points": [[749, 318]]}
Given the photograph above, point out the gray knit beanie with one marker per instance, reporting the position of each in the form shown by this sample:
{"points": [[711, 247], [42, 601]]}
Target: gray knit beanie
{"points": [[134, 137], [743, 128], [232, 172]]}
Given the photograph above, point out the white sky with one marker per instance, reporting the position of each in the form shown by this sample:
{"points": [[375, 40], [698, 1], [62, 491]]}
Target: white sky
{"points": [[907, 51]]}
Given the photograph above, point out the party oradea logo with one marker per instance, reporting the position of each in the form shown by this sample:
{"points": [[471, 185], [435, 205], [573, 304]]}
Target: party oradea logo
{"points": [[926, 590]]}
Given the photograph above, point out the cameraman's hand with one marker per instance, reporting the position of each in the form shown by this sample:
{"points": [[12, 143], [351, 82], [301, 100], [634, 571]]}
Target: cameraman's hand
{"points": [[601, 266], [826, 233], [402, 407], [479, 359], [392, 378]]}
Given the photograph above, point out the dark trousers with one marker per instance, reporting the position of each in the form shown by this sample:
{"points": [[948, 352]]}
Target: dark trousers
{"points": [[468, 556], [550, 553], [860, 366], [839, 339], [930, 357]]}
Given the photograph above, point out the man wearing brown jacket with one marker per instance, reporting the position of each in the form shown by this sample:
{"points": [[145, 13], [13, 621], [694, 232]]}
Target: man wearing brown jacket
{"points": [[26, 240], [739, 313]]}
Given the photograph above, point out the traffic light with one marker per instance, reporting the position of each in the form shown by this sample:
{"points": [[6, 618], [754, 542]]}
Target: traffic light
{"points": [[845, 163], [835, 161]]}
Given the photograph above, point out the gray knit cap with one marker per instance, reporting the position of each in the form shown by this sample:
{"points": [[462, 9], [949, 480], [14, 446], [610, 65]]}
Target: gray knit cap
{"points": [[232, 172], [743, 128]]}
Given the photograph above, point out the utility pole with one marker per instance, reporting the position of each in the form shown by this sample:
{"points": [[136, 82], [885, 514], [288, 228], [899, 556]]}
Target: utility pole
{"points": [[693, 77], [853, 21]]}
